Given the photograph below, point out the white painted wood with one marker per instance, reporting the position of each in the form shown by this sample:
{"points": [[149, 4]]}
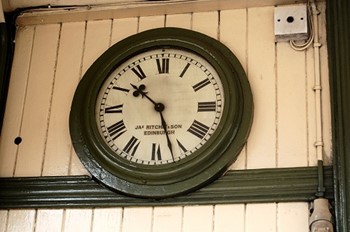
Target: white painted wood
{"points": [[326, 103], [261, 217], [3, 220], [59, 146], [293, 217], [228, 218], [261, 147], [97, 41], [233, 33], [146, 23], [21, 220], [49, 220], [167, 219], [198, 218], [77, 220], [206, 22], [291, 111], [15, 100], [38, 99], [179, 20], [123, 28], [137, 219], [107, 219]]}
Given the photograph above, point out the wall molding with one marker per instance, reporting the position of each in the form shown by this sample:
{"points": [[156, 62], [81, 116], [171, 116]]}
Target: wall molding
{"points": [[243, 186], [338, 37]]}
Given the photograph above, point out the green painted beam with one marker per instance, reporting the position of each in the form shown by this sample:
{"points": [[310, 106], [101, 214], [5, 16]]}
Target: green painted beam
{"points": [[338, 37], [245, 186]]}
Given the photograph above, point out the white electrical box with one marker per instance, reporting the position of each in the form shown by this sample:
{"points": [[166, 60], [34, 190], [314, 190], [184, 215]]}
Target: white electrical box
{"points": [[291, 22]]}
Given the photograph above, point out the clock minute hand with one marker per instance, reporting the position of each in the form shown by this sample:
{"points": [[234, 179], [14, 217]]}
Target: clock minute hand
{"points": [[159, 107]]}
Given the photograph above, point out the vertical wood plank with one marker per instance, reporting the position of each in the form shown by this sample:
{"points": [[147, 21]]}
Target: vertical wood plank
{"points": [[198, 218], [77, 220], [261, 145], [260, 217], [21, 220], [179, 20], [37, 103], [3, 220], [233, 33], [167, 219], [97, 40], [150, 22], [15, 100], [293, 217], [123, 28], [206, 23], [107, 220], [58, 148], [49, 220], [326, 101], [291, 113], [229, 218], [137, 219]]}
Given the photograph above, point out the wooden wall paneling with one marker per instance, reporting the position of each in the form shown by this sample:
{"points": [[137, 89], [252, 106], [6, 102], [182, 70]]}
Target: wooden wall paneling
{"points": [[21, 220], [77, 220], [233, 33], [15, 100], [49, 220], [260, 217], [179, 20], [97, 41], [261, 146], [150, 22], [206, 23], [228, 218], [58, 147], [291, 110], [198, 218], [3, 220], [167, 219], [293, 217], [37, 104], [137, 219], [123, 28], [106, 220]]}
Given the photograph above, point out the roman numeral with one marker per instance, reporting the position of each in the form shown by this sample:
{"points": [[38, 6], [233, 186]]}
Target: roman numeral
{"points": [[206, 106], [116, 129], [182, 148], [132, 146], [201, 84], [163, 67], [139, 72], [184, 70], [198, 129], [114, 109], [121, 89], [156, 155]]}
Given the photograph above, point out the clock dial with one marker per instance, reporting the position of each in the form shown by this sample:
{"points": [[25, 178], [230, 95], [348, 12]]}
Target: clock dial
{"points": [[161, 113], [160, 106]]}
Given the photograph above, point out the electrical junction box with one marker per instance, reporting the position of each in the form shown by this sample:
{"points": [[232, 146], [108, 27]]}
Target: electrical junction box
{"points": [[291, 22]]}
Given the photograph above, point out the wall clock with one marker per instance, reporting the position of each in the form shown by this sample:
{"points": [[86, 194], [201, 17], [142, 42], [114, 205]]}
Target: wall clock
{"points": [[161, 113]]}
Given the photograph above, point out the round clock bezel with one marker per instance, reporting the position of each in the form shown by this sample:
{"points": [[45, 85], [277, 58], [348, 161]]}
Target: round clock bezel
{"points": [[201, 167]]}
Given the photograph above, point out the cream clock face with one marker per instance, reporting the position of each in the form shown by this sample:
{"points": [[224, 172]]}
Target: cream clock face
{"points": [[159, 106]]}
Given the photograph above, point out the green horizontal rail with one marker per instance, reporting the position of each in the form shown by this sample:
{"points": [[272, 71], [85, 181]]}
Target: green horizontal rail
{"points": [[244, 186]]}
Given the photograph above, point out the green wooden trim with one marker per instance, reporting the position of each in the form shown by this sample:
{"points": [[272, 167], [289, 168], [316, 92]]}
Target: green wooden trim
{"points": [[244, 186], [338, 36]]}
